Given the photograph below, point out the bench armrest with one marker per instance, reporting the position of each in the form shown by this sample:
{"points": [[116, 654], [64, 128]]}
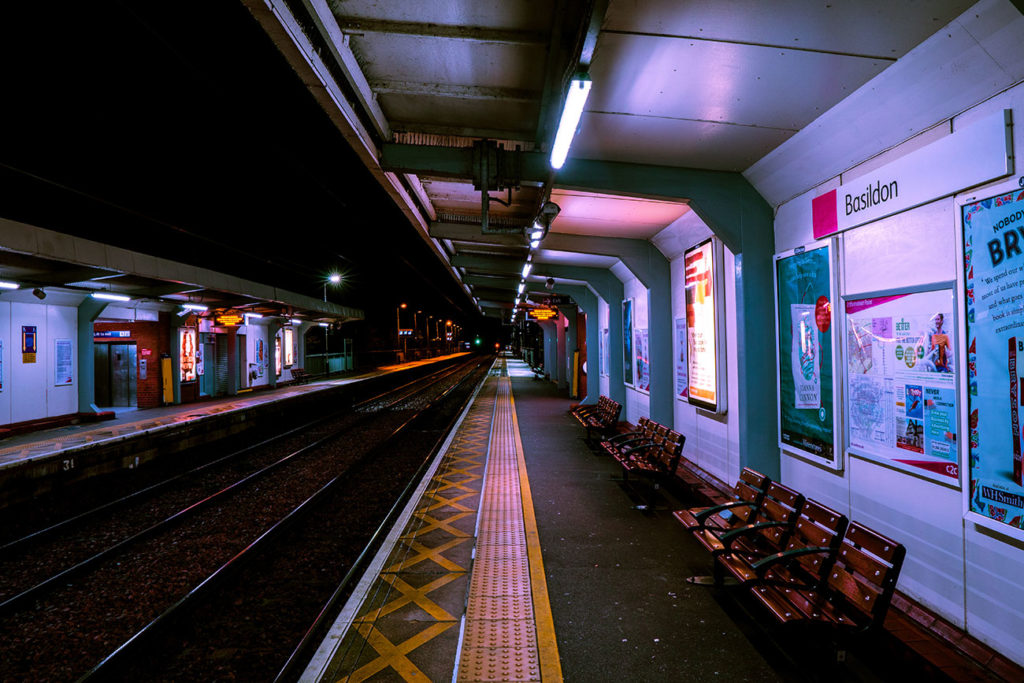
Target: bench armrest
{"points": [[724, 507], [763, 565], [730, 536]]}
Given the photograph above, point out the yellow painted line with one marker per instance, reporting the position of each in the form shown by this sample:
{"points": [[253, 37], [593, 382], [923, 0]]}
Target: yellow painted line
{"points": [[547, 645]]}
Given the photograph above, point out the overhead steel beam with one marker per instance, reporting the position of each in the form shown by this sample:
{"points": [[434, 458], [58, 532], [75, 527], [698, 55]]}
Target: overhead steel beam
{"points": [[494, 294], [165, 290], [491, 281], [492, 264], [69, 275], [463, 92], [480, 34], [462, 232], [431, 128]]}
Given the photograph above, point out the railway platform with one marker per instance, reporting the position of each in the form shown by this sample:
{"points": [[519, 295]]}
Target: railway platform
{"points": [[32, 462], [521, 557]]}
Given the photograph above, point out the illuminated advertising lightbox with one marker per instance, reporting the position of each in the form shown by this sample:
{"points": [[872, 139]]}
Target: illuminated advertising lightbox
{"points": [[277, 356], [702, 338], [289, 347], [187, 353]]}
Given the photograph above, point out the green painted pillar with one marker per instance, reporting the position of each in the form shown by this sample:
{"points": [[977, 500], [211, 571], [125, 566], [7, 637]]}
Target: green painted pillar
{"points": [[88, 311], [592, 336], [175, 323], [273, 327]]}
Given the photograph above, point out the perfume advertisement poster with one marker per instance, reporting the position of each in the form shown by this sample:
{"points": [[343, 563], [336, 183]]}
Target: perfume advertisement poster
{"points": [[993, 234], [806, 401]]}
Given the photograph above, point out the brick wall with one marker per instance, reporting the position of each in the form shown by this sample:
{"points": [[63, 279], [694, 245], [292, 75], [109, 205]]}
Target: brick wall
{"points": [[151, 337]]}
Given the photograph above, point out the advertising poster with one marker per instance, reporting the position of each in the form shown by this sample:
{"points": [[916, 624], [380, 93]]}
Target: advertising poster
{"points": [[643, 361], [187, 353], [29, 344], [605, 348], [681, 379], [277, 356], [901, 381], [261, 360], [806, 401], [63, 370], [627, 341], [993, 234], [701, 341], [200, 365], [289, 347], [1, 364]]}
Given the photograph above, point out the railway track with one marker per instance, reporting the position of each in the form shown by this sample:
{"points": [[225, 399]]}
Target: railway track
{"points": [[65, 624]]}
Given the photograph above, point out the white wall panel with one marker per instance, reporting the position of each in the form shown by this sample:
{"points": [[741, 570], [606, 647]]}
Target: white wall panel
{"points": [[603, 308], [927, 519], [61, 323], [6, 358], [995, 600], [910, 248], [825, 486], [28, 380]]}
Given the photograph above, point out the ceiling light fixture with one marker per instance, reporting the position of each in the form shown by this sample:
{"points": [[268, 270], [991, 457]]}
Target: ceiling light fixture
{"points": [[107, 296], [526, 269], [9, 285], [575, 100], [295, 321], [194, 307], [522, 286]]}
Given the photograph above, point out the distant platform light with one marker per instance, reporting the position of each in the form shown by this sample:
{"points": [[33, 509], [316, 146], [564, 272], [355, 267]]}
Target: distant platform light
{"points": [[194, 307], [107, 296]]}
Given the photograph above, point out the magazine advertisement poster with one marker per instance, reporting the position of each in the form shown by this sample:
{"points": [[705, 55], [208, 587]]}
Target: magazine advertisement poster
{"points": [[643, 365], [804, 294], [901, 389], [993, 237]]}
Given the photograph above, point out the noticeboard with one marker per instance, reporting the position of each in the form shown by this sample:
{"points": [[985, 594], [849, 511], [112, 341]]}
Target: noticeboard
{"points": [[901, 381], [993, 235], [805, 290]]}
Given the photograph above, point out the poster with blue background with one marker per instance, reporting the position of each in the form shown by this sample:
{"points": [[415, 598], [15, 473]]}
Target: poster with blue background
{"points": [[993, 242]]}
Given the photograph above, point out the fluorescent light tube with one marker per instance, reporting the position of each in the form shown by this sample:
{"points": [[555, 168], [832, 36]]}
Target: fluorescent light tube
{"points": [[522, 286], [9, 285], [254, 315], [526, 269], [295, 321], [534, 244], [575, 100], [107, 296], [324, 324], [194, 307]]}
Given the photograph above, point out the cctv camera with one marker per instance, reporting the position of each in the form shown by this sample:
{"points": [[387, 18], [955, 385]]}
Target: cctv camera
{"points": [[38, 293], [550, 283]]}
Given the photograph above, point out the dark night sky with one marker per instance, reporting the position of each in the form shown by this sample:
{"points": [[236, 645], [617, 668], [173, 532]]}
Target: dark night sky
{"points": [[178, 129]]}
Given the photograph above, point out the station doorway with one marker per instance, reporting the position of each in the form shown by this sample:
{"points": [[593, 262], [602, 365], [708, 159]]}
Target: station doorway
{"points": [[115, 374]]}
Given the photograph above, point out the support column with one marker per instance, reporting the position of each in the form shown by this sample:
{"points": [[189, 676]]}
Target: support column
{"points": [[175, 323], [550, 349], [588, 303], [560, 351], [273, 327], [88, 311], [571, 344], [232, 361]]}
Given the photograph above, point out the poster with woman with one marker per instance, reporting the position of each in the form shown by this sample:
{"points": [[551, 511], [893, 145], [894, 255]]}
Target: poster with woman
{"points": [[643, 361], [993, 234], [187, 353], [627, 342]]}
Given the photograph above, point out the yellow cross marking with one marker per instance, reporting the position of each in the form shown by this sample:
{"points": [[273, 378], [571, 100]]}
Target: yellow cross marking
{"points": [[442, 524], [394, 656], [447, 502], [409, 594], [425, 553]]}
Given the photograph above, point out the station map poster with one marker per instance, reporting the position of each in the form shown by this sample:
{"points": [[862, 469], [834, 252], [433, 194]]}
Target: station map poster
{"points": [[605, 347], [627, 341], [63, 365], [902, 381], [806, 401], [187, 351], [993, 234], [681, 378], [643, 361], [701, 325]]}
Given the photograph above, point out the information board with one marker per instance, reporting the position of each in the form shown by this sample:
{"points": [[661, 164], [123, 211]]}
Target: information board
{"points": [[702, 326], [63, 363], [681, 376], [804, 287], [627, 342], [993, 235], [901, 381]]}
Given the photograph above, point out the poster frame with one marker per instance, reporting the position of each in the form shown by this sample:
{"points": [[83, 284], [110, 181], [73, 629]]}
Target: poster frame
{"points": [[69, 347], [193, 332], [627, 334], [1002, 531], [679, 344], [943, 286], [838, 461], [720, 406], [605, 346]]}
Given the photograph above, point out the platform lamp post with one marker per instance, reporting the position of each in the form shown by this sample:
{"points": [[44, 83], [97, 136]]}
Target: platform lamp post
{"points": [[333, 279], [398, 328], [416, 326], [448, 336]]}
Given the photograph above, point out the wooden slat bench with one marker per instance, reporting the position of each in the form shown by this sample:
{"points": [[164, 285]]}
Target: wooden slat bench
{"points": [[584, 410], [603, 421], [712, 521], [645, 432], [299, 375], [655, 461]]}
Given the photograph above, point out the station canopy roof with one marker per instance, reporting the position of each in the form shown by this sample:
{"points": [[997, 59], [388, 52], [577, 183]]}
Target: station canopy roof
{"points": [[417, 87], [58, 268]]}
